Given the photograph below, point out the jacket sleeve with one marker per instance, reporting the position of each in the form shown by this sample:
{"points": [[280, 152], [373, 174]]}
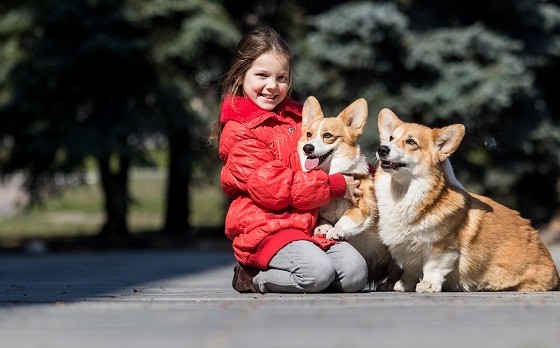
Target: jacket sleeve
{"points": [[250, 168]]}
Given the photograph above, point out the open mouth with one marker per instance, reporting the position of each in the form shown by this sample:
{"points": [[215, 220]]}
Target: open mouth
{"points": [[312, 162], [391, 165], [267, 96]]}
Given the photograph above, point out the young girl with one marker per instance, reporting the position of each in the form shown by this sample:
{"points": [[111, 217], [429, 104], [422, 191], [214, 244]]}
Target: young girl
{"points": [[274, 203]]}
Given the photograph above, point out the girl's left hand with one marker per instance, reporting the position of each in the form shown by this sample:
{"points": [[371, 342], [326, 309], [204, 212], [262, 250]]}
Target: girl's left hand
{"points": [[352, 189]]}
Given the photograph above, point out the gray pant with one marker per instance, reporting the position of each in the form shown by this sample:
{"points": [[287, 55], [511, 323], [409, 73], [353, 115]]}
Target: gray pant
{"points": [[302, 266]]}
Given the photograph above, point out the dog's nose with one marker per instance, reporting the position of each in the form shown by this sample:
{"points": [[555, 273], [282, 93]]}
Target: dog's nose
{"points": [[308, 148], [383, 150]]}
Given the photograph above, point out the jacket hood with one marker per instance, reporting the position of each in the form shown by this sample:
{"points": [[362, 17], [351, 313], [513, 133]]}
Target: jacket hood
{"points": [[241, 109]]}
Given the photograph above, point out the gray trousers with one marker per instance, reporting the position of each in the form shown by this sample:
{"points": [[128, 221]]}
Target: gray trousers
{"points": [[302, 266]]}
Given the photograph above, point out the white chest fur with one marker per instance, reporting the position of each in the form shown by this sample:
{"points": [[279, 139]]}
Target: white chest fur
{"points": [[400, 228]]}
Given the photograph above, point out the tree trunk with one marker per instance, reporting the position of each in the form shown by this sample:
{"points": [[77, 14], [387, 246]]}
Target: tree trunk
{"points": [[115, 191], [178, 195]]}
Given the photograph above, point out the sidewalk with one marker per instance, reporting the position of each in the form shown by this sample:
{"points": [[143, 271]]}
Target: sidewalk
{"points": [[184, 299]]}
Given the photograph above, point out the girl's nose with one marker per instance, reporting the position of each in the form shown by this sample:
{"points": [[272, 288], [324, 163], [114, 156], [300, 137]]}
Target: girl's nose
{"points": [[272, 84]]}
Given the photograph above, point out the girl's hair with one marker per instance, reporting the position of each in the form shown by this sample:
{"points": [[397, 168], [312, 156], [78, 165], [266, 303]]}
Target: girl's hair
{"points": [[252, 45]]}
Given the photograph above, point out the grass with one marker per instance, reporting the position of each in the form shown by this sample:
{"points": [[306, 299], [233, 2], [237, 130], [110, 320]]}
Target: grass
{"points": [[79, 211]]}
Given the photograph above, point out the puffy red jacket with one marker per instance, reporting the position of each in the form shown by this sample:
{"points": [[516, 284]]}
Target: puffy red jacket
{"points": [[273, 201]]}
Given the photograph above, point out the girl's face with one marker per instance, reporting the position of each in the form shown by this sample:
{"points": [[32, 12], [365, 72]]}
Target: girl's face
{"points": [[266, 82]]}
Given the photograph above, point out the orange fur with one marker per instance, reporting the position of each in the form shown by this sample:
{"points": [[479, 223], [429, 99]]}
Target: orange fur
{"points": [[334, 141], [444, 237]]}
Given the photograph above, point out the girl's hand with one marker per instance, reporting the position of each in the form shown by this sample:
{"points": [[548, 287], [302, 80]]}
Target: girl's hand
{"points": [[352, 189]]}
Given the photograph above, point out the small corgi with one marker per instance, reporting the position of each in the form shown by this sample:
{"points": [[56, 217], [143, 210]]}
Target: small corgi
{"points": [[330, 144], [443, 237]]}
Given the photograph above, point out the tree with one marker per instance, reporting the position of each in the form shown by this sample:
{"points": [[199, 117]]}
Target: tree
{"points": [[85, 89], [191, 42], [445, 64]]}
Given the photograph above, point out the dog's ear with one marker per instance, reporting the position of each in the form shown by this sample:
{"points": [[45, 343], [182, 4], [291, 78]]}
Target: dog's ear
{"points": [[355, 115], [311, 112], [447, 140], [387, 121]]}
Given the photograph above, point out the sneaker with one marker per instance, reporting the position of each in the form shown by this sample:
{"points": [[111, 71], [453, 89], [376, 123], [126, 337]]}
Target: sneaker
{"points": [[243, 279]]}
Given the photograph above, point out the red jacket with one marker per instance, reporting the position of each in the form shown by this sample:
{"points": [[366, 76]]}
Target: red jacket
{"points": [[273, 201]]}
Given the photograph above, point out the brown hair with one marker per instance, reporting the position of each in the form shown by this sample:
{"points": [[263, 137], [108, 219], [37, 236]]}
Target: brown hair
{"points": [[252, 45]]}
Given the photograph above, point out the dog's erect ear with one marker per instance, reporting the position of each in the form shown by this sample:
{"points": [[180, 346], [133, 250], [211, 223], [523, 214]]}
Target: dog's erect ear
{"points": [[355, 115], [311, 112], [447, 140], [387, 121]]}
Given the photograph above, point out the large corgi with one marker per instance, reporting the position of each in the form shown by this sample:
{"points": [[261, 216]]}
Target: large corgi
{"points": [[443, 237], [330, 144]]}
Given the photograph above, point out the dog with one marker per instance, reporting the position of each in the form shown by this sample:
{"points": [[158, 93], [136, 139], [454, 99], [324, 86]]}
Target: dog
{"points": [[330, 144], [443, 237]]}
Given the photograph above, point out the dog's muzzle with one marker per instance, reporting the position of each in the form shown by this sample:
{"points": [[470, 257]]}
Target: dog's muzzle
{"points": [[383, 151]]}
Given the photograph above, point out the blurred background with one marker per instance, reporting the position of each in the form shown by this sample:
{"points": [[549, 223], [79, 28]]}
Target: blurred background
{"points": [[105, 104]]}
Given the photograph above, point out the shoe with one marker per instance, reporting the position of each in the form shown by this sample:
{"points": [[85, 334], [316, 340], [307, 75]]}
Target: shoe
{"points": [[243, 279]]}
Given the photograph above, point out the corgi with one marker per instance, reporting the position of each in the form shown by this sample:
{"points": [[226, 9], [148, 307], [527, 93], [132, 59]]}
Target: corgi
{"points": [[443, 237], [330, 144]]}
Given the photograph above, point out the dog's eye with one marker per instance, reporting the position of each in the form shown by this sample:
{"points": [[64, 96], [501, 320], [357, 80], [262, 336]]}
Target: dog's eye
{"points": [[327, 135], [308, 134], [410, 142], [390, 138]]}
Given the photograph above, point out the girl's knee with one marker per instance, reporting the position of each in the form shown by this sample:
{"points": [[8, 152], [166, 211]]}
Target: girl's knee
{"points": [[316, 276], [354, 280], [353, 275]]}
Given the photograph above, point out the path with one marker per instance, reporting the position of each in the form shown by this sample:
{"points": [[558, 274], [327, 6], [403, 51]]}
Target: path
{"points": [[184, 299]]}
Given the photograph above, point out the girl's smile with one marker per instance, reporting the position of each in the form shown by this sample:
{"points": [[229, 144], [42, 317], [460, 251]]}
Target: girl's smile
{"points": [[267, 82]]}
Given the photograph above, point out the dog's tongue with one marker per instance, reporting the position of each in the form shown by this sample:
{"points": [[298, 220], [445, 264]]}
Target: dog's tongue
{"points": [[311, 163]]}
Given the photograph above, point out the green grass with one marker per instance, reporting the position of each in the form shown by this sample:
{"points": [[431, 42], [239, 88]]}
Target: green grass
{"points": [[79, 211]]}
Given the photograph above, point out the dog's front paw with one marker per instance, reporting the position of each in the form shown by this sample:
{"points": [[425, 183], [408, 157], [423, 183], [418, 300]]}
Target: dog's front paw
{"points": [[322, 229], [426, 286], [403, 286], [399, 286], [335, 234]]}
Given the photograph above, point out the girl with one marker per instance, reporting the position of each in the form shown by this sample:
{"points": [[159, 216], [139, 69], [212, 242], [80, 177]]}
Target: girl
{"points": [[275, 204]]}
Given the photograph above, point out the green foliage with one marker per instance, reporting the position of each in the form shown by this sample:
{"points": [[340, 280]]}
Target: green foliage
{"points": [[451, 65], [471, 71], [16, 23], [87, 91], [82, 79]]}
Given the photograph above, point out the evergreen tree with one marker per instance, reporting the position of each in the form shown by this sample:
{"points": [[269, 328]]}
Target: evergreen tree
{"points": [[84, 89], [445, 64], [191, 42]]}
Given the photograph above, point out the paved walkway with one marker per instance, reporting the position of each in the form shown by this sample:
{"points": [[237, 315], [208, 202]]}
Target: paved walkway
{"points": [[184, 299]]}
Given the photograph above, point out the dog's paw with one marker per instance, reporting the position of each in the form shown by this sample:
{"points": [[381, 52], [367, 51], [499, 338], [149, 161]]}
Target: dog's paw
{"points": [[403, 286], [399, 286], [335, 234], [426, 286], [322, 229]]}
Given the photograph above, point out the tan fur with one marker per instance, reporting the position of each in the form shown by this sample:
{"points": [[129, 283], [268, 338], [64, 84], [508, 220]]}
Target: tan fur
{"points": [[340, 219], [443, 237]]}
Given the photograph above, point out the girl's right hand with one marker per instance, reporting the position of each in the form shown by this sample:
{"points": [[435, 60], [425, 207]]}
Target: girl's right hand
{"points": [[352, 189]]}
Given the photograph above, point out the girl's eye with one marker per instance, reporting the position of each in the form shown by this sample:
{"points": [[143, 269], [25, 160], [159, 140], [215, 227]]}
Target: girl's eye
{"points": [[410, 142], [327, 135], [390, 138], [282, 78], [308, 134]]}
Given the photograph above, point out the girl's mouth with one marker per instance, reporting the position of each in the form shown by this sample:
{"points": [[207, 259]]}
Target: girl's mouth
{"points": [[269, 97]]}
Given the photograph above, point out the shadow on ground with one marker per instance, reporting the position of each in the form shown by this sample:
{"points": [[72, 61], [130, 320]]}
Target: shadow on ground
{"points": [[89, 269]]}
